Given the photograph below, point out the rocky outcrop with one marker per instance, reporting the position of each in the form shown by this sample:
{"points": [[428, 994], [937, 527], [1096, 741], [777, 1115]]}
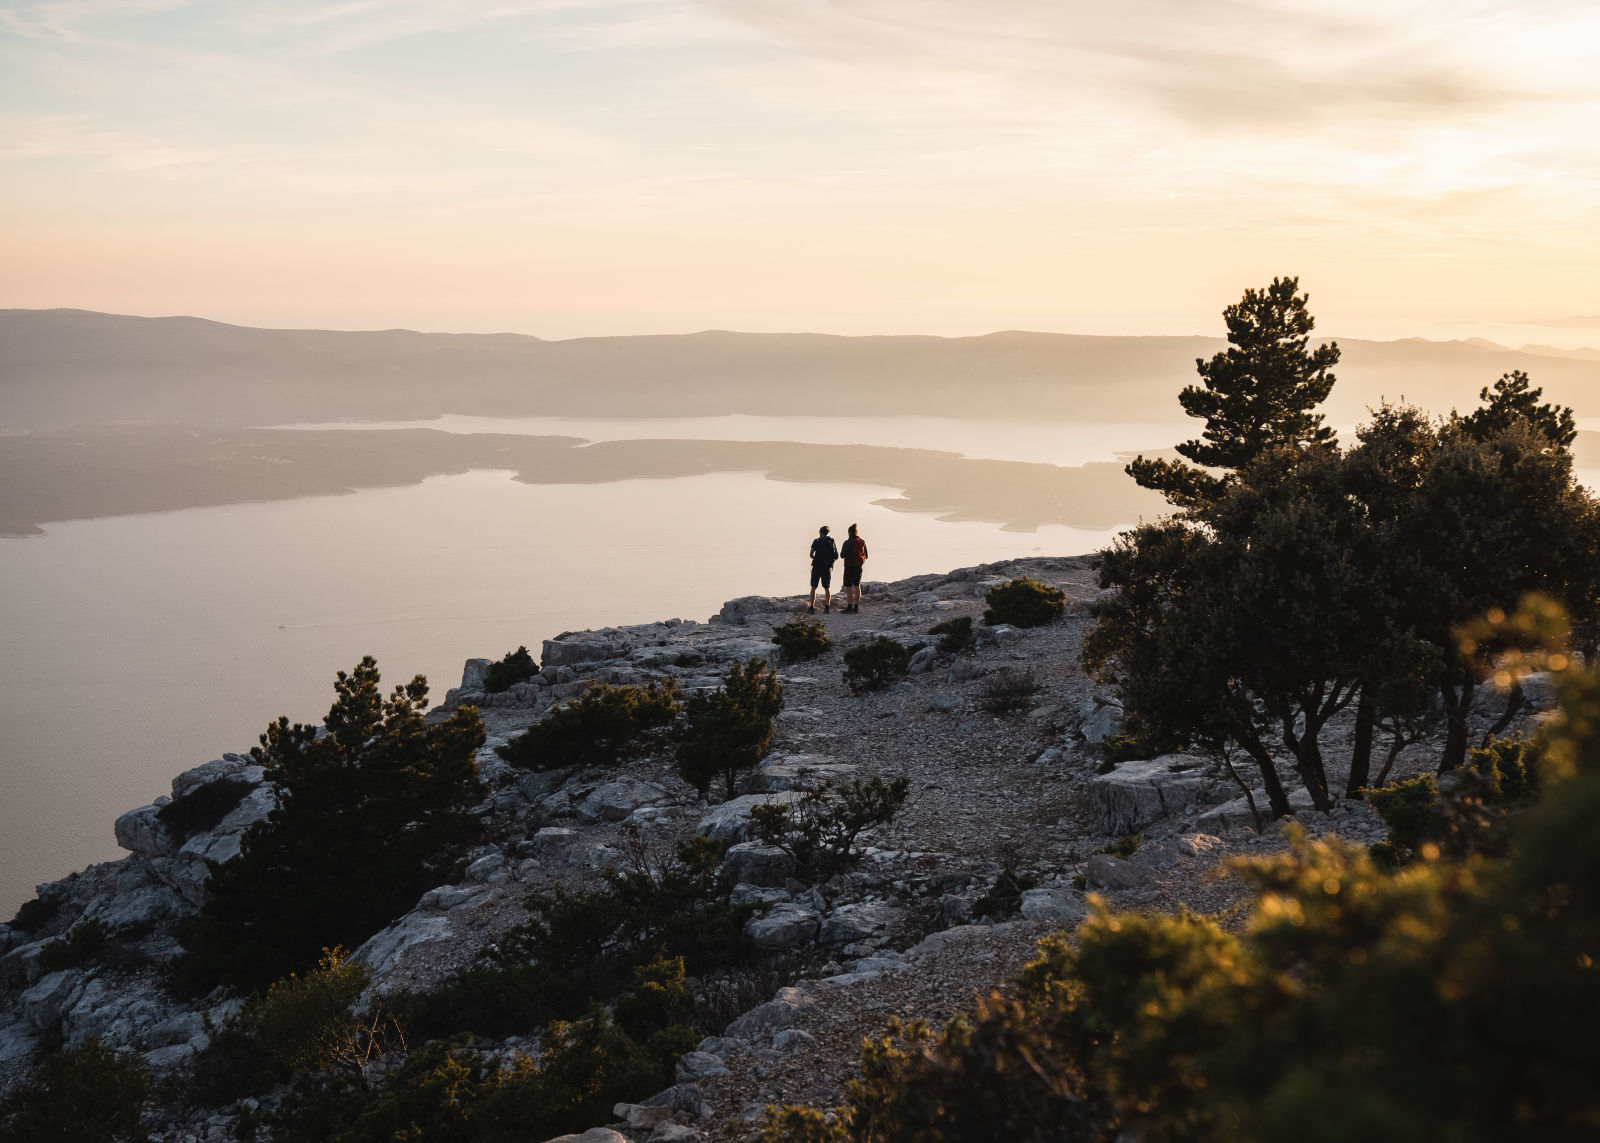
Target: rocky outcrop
{"points": [[1135, 794]]}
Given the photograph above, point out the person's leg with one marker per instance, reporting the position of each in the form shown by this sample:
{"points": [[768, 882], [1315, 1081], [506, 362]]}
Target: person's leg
{"points": [[827, 590], [811, 604]]}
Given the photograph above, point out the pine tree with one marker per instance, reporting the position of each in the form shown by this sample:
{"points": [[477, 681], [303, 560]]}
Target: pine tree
{"points": [[1258, 395]]}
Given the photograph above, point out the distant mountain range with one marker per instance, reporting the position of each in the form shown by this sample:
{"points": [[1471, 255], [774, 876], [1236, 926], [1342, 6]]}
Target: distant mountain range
{"points": [[74, 367]]}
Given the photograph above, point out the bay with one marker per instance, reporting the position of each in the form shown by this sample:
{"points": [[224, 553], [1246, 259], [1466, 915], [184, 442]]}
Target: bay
{"points": [[138, 646]]}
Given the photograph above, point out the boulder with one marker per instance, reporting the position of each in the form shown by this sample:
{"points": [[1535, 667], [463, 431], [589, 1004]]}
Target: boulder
{"points": [[140, 831], [474, 674], [1236, 814], [593, 1135], [583, 648], [1136, 794], [965, 670], [752, 608], [1052, 905], [694, 1066], [868, 921], [1110, 872], [791, 1038], [1000, 635], [228, 766], [797, 772], [614, 801], [43, 1004], [765, 1019], [491, 868], [922, 661], [786, 926], [730, 822], [756, 863], [1100, 722], [384, 951]]}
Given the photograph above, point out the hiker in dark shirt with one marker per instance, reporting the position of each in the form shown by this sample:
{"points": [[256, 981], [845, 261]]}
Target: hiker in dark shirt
{"points": [[855, 554], [824, 553]]}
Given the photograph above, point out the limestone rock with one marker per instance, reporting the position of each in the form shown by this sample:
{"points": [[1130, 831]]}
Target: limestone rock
{"points": [[1236, 814], [730, 822], [1051, 905], [751, 608], [384, 951], [867, 921], [765, 1019], [786, 926], [798, 772], [593, 1135], [1100, 721], [585, 647], [1110, 872], [756, 863], [791, 1038], [140, 831], [922, 661], [1136, 794], [694, 1066], [614, 801], [474, 674], [1000, 635]]}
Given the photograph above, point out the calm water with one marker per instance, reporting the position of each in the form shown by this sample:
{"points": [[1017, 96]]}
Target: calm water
{"points": [[139, 646]]}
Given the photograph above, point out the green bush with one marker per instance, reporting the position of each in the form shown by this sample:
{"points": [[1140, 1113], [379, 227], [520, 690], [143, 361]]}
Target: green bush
{"points": [[1124, 847], [587, 945], [955, 635], [730, 729], [202, 808], [801, 640], [873, 666], [517, 666], [310, 1024], [35, 913], [75, 946], [604, 725], [1009, 690], [1004, 897], [820, 829], [372, 812], [1123, 748], [90, 1094], [1023, 602]]}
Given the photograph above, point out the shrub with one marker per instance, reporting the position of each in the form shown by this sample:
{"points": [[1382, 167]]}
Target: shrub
{"points": [[955, 635], [603, 725], [35, 913], [75, 946], [730, 729], [514, 668], [873, 666], [801, 640], [90, 1094], [202, 808], [1123, 748], [1124, 847], [1023, 602], [309, 1023], [1009, 690], [820, 829], [582, 946], [371, 812], [1004, 897]]}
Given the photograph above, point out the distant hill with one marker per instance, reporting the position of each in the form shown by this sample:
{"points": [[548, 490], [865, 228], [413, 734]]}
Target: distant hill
{"points": [[69, 367]]}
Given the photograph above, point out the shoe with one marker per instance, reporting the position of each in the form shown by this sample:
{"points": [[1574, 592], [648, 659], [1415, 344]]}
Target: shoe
{"points": [[812, 610], [826, 607]]}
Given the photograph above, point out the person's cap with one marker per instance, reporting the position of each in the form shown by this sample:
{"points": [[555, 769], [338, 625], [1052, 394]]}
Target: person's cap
{"points": [[852, 529], [823, 531]]}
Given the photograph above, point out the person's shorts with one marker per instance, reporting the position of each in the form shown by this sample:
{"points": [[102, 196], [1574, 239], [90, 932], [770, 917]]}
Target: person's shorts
{"points": [[822, 574], [852, 575]]}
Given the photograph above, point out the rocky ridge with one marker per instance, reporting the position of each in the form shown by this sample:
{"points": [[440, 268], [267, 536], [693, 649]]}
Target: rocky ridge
{"points": [[898, 936]]}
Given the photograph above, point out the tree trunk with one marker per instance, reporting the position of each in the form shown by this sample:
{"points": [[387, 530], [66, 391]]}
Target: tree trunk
{"points": [[1308, 761], [1457, 705], [1277, 797], [1515, 701], [1361, 752]]}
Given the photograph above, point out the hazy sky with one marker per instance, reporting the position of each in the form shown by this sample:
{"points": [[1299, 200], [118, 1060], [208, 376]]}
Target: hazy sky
{"points": [[566, 167]]}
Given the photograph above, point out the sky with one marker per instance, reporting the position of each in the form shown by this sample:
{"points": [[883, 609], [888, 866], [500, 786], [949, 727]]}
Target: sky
{"points": [[580, 167]]}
